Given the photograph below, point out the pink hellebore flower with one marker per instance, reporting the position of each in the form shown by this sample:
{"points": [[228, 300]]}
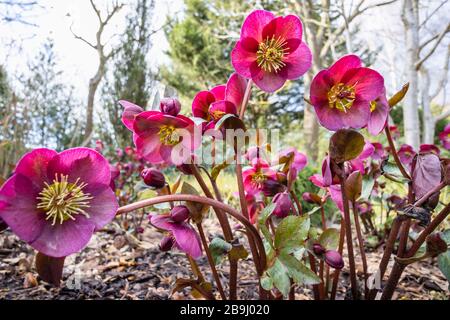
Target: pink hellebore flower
{"points": [[406, 154], [429, 148], [359, 163], [444, 136], [224, 99], [394, 132], [379, 153], [55, 201], [330, 182], [257, 175], [342, 95], [159, 137], [185, 237], [270, 50]]}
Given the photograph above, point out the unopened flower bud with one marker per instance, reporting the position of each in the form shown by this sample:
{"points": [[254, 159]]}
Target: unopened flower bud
{"points": [[272, 187], [334, 259], [318, 249], [179, 213], [185, 168], [170, 106], [153, 178], [435, 244], [140, 230], [166, 243], [283, 204]]}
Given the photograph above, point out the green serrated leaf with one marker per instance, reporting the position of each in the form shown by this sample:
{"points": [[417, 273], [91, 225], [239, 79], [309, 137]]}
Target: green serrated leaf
{"points": [[446, 236], [219, 248], [197, 209], [291, 232], [300, 273], [266, 282], [280, 278], [444, 264], [329, 239]]}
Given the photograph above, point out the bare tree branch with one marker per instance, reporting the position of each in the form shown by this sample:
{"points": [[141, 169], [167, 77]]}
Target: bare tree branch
{"points": [[443, 80], [436, 44], [432, 13], [81, 38]]}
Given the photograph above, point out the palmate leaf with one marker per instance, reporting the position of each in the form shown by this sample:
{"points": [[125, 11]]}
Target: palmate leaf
{"points": [[262, 219], [292, 232], [329, 239]]}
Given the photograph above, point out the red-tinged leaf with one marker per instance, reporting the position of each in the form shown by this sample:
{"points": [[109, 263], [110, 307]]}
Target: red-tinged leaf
{"points": [[427, 173], [345, 145], [353, 186], [50, 269], [396, 98]]}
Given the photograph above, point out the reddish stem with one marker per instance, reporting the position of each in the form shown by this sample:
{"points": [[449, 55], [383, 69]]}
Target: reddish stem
{"points": [[337, 271]]}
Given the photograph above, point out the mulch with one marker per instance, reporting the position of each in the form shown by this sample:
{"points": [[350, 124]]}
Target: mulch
{"points": [[119, 265]]}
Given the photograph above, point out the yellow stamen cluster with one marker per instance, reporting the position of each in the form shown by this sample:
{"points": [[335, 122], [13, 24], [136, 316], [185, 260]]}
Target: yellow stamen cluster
{"points": [[62, 200], [168, 135], [258, 177], [341, 97], [373, 106], [271, 53]]}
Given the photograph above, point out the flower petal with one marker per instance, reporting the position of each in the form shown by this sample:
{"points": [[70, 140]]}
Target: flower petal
{"points": [[219, 92], [201, 103], [320, 86], [64, 239], [235, 90], [86, 164], [288, 27], [369, 84], [268, 81], [129, 113], [254, 24], [378, 117], [34, 164], [340, 67], [102, 208], [298, 62], [242, 60], [187, 239]]}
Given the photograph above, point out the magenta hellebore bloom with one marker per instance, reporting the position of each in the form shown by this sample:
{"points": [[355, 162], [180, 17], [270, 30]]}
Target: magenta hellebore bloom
{"points": [[379, 153], [55, 201], [185, 237], [429, 148], [255, 176], [297, 162], [444, 136], [406, 154], [212, 105], [270, 50], [159, 137], [342, 95]]}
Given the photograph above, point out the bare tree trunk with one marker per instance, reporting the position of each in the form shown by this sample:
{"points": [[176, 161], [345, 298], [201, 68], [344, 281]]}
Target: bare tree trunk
{"points": [[427, 118], [410, 17], [93, 85]]}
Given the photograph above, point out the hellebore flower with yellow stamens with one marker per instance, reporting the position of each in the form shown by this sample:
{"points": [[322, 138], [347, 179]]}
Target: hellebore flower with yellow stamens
{"points": [[342, 94], [179, 234], [159, 137], [55, 201], [270, 50], [212, 105], [256, 176]]}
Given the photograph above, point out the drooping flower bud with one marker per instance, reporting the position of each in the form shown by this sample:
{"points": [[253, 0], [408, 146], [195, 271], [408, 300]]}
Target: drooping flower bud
{"points": [[153, 178], [318, 249], [334, 259], [179, 213], [271, 187], [283, 204], [140, 230], [170, 106], [435, 244], [185, 168], [166, 243]]}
